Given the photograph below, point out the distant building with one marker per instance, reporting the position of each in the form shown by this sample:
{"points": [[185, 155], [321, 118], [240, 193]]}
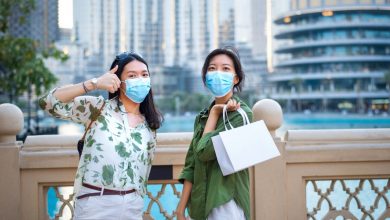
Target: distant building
{"points": [[167, 80], [334, 56], [177, 33], [41, 24]]}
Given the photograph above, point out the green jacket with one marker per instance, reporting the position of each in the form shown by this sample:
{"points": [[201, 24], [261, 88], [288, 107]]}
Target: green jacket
{"points": [[210, 188]]}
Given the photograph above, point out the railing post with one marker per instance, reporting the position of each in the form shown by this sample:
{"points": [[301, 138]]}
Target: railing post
{"points": [[269, 181], [11, 118]]}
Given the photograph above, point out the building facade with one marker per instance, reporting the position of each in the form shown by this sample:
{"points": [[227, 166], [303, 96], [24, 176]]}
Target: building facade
{"points": [[169, 34], [333, 56], [41, 24]]}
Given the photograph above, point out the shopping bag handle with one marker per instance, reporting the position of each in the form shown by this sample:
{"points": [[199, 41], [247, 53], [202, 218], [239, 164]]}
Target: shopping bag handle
{"points": [[226, 117], [244, 116]]}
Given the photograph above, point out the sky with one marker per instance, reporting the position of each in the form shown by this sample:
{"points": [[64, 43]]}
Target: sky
{"points": [[65, 8]]}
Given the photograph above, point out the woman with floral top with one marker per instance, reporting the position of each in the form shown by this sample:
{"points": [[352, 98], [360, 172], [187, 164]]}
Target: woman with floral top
{"points": [[207, 193], [116, 160]]}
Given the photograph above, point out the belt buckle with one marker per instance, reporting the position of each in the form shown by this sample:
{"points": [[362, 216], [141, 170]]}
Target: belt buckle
{"points": [[122, 192]]}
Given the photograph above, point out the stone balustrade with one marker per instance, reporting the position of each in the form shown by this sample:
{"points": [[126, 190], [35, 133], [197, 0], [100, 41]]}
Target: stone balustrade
{"points": [[297, 185]]}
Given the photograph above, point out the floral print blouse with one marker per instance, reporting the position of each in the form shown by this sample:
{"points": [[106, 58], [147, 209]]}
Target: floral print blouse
{"points": [[115, 155]]}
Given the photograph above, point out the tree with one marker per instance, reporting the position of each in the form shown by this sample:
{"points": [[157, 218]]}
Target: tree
{"points": [[22, 59], [386, 77]]}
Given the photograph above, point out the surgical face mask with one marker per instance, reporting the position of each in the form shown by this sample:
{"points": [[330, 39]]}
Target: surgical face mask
{"points": [[137, 89], [219, 83]]}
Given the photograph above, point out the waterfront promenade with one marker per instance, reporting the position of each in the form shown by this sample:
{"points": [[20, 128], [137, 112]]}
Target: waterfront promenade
{"points": [[321, 174]]}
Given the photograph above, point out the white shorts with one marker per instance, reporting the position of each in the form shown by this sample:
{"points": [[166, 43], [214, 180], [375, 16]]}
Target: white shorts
{"points": [[107, 207], [229, 210]]}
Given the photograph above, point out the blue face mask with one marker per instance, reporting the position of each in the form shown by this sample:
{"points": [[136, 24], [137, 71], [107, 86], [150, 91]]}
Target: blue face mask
{"points": [[137, 89], [219, 83]]}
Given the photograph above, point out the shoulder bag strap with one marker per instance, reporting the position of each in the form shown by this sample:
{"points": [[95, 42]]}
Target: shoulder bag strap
{"points": [[93, 119]]}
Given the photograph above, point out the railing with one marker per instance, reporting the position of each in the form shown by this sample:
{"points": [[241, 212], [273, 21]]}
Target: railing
{"points": [[51, 161], [321, 174]]}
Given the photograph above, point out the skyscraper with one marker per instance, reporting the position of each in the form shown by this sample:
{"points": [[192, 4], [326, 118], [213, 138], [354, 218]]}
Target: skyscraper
{"points": [[41, 23], [258, 24], [165, 33]]}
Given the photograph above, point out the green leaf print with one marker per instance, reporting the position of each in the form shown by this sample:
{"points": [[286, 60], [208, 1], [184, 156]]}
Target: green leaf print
{"points": [[68, 107], [121, 150], [136, 148], [42, 102], [94, 112], [137, 137], [52, 112], [150, 145], [110, 138], [102, 121], [96, 174], [81, 108], [140, 179], [119, 126], [108, 174], [95, 159], [87, 157], [90, 142], [130, 173]]}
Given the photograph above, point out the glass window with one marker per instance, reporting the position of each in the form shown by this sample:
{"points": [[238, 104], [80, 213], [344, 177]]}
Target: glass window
{"points": [[302, 4], [294, 4], [365, 1], [330, 2], [348, 2], [315, 3], [380, 1]]}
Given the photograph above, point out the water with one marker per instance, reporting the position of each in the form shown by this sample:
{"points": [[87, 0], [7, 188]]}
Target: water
{"points": [[185, 124]]}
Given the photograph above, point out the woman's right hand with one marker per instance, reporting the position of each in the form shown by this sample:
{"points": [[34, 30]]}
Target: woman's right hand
{"points": [[109, 81], [231, 105]]}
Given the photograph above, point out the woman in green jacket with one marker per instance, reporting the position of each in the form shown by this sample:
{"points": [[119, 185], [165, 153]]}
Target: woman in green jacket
{"points": [[207, 193]]}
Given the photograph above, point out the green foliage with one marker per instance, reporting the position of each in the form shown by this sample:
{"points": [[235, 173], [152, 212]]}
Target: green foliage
{"points": [[22, 64], [184, 102], [24, 6]]}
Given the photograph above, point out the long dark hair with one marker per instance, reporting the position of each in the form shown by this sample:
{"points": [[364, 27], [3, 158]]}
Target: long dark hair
{"points": [[153, 117], [234, 56]]}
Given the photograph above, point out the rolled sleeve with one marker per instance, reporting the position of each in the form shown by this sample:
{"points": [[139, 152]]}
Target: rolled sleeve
{"points": [[79, 110], [188, 171], [205, 150]]}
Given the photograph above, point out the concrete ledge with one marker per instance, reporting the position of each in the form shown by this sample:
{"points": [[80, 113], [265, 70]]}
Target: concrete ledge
{"points": [[337, 136]]}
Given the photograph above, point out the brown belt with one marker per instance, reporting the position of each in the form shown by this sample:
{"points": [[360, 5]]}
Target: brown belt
{"points": [[105, 191]]}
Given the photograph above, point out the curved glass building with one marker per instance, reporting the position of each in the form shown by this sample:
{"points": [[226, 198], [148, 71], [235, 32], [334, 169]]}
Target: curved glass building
{"points": [[333, 55]]}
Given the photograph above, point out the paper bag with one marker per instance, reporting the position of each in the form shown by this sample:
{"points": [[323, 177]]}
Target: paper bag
{"points": [[242, 147]]}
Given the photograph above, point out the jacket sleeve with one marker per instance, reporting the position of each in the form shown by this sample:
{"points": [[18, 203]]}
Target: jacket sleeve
{"points": [[80, 110], [205, 149], [188, 171]]}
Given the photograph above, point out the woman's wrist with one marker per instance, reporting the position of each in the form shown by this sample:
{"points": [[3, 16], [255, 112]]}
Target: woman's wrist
{"points": [[179, 212], [180, 209], [89, 85], [216, 110]]}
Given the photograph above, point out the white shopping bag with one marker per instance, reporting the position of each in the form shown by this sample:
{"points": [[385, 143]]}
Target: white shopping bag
{"points": [[239, 148]]}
